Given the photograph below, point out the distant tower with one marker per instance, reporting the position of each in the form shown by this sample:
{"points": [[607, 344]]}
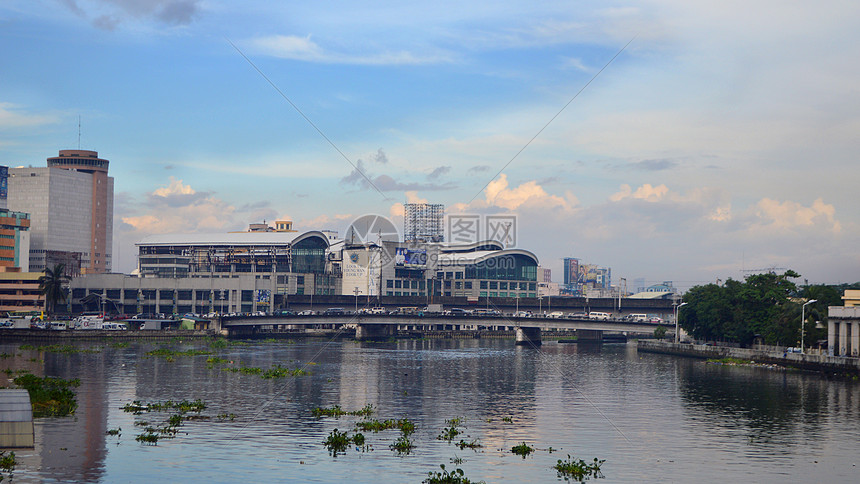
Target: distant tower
{"points": [[423, 221], [71, 211]]}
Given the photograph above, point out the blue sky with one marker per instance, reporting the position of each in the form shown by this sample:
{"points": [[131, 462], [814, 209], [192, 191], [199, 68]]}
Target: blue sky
{"points": [[725, 137]]}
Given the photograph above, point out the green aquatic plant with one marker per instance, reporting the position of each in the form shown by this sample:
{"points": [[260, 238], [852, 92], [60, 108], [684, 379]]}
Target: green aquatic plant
{"points": [[49, 396], [457, 476], [147, 438], [7, 464], [578, 469], [169, 354], [403, 445], [337, 442], [522, 449], [452, 431], [218, 343], [462, 444], [336, 411], [404, 425], [115, 431]]}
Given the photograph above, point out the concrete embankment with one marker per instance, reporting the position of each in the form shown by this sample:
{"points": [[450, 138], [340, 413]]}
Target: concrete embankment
{"points": [[811, 362], [97, 334]]}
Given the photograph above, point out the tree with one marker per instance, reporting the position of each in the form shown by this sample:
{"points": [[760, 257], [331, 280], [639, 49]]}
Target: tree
{"points": [[741, 311], [52, 286]]}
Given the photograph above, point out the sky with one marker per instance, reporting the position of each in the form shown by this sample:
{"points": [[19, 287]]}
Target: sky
{"points": [[722, 140]]}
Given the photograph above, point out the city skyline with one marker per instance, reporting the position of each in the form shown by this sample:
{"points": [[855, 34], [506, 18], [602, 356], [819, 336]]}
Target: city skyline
{"points": [[722, 139]]}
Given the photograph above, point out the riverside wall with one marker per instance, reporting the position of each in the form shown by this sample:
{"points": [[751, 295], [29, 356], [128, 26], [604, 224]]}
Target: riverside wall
{"points": [[811, 362]]}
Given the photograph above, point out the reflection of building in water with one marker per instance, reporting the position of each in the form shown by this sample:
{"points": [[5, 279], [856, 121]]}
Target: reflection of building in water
{"points": [[73, 448]]}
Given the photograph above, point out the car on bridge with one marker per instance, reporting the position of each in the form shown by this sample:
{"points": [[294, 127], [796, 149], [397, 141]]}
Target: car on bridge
{"points": [[578, 315], [601, 316]]}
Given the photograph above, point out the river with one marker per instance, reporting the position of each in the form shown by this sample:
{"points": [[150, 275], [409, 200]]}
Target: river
{"points": [[652, 418]]}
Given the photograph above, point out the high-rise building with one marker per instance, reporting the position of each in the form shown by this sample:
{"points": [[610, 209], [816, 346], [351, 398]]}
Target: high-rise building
{"points": [[14, 240], [70, 203], [424, 222]]}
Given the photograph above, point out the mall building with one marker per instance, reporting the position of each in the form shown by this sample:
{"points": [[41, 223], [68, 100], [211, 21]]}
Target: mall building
{"points": [[258, 271]]}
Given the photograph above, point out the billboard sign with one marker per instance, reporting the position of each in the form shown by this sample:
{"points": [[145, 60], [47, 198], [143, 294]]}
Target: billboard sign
{"points": [[410, 257]]}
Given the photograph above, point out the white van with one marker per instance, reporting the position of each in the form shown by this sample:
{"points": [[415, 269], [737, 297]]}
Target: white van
{"points": [[637, 318], [599, 315]]}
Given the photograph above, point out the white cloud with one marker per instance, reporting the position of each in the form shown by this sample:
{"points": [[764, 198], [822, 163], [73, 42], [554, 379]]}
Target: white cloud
{"points": [[792, 215], [12, 116], [304, 49]]}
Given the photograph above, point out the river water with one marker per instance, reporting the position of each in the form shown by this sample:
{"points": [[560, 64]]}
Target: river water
{"points": [[653, 418]]}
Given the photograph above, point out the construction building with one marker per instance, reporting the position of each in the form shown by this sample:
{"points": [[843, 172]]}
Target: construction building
{"points": [[424, 222]]}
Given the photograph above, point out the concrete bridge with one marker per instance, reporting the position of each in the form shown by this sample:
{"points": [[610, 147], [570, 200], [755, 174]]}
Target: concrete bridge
{"points": [[382, 326]]}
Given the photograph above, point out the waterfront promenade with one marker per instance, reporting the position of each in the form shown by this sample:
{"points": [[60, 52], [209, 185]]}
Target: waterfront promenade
{"points": [[812, 362]]}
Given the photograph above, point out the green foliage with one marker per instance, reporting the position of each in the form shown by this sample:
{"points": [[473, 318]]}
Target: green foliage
{"points": [[7, 464], [337, 442], [405, 425], [740, 311], [336, 412], [457, 476], [116, 431], [169, 354], [403, 445], [578, 469], [462, 444], [522, 449], [52, 285], [660, 332], [50, 396], [219, 343], [147, 438], [276, 371], [452, 431]]}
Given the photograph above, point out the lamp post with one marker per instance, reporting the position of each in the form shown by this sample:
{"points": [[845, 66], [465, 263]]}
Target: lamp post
{"points": [[677, 309], [540, 305], [356, 291], [803, 320]]}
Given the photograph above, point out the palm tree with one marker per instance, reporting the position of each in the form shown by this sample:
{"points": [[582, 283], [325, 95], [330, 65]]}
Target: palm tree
{"points": [[51, 286]]}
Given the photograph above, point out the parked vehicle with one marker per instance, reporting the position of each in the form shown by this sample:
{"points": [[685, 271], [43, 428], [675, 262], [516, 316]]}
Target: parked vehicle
{"points": [[334, 312], [578, 315], [306, 312], [114, 327], [656, 319], [637, 318], [378, 310], [57, 326], [88, 321], [599, 316], [555, 315]]}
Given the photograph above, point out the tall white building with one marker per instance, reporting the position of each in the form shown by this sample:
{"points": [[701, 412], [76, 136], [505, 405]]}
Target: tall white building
{"points": [[70, 203]]}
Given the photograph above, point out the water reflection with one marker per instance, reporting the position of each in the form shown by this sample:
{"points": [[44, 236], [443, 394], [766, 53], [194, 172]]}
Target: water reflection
{"points": [[651, 417]]}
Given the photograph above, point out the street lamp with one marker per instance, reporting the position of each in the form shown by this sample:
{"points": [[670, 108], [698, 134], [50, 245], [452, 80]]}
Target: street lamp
{"points": [[677, 308], [803, 319], [357, 292]]}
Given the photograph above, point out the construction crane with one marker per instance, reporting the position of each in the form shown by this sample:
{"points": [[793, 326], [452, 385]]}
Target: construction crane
{"points": [[769, 270]]}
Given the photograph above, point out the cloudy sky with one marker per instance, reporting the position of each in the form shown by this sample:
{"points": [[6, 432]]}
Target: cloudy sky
{"points": [[724, 137]]}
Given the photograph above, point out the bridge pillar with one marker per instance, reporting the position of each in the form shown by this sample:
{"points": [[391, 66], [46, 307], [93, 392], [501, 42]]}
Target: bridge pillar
{"points": [[365, 332], [589, 335], [528, 336]]}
